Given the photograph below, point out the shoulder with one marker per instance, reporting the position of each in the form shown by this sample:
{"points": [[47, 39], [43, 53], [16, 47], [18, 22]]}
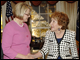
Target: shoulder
{"points": [[48, 32], [25, 25], [71, 32], [8, 26]]}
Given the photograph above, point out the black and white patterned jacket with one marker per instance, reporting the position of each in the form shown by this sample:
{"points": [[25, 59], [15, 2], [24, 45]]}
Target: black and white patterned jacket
{"points": [[67, 48]]}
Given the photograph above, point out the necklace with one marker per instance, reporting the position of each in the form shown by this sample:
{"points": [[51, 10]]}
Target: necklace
{"points": [[18, 23]]}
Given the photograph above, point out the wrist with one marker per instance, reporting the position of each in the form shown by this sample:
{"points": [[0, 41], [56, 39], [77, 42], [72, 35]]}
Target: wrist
{"points": [[34, 55], [20, 56], [24, 57]]}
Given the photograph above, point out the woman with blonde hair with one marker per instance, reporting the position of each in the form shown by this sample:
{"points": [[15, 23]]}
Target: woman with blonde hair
{"points": [[59, 42], [16, 36]]}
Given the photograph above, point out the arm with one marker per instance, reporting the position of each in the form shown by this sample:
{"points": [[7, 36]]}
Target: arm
{"points": [[44, 49], [7, 41], [73, 46], [36, 55], [21, 56]]}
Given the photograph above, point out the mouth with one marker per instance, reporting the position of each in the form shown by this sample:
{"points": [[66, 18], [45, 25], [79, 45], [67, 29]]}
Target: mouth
{"points": [[52, 27]]}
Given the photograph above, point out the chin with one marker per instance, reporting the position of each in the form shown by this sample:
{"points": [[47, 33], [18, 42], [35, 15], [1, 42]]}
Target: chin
{"points": [[25, 21], [52, 30]]}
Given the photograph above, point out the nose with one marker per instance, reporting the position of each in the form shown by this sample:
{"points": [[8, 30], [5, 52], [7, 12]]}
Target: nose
{"points": [[29, 15], [50, 24]]}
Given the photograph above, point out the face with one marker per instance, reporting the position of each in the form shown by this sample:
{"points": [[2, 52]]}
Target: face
{"points": [[54, 24], [26, 15]]}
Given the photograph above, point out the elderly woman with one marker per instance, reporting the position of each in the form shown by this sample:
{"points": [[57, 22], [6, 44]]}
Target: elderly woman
{"points": [[16, 35], [59, 42]]}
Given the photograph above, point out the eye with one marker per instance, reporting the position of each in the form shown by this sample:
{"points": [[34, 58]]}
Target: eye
{"points": [[27, 14], [53, 21]]}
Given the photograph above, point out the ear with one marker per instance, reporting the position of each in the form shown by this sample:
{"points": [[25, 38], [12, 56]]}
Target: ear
{"points": [[60, 26]]}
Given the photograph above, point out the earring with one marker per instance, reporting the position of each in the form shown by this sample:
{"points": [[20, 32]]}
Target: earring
{"points": [[59, 29]]}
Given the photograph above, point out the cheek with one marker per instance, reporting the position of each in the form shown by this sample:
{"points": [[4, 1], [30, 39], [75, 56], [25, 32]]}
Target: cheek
{"points": [[24, 17], [53, 24]]}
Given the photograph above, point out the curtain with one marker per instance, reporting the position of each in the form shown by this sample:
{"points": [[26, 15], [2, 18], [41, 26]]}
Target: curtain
{"points": [[3, 2], [37, 3], [71, 10], [18, 1], [51, 2], [3, 14], [70, 1]]}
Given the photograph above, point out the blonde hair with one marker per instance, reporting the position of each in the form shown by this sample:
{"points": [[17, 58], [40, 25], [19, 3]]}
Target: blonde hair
{"points": [[20, 8], [62, 19]]}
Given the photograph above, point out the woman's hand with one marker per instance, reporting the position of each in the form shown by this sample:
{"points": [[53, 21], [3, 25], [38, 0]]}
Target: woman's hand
{"points": [[34, 56], [29, 56]]}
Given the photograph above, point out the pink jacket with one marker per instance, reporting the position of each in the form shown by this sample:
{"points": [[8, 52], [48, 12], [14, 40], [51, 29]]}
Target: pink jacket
{"points": [[15, 39]]}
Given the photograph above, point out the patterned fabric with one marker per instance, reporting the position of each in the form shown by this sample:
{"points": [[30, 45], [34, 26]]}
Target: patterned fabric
{"points": [[67, 44], [59, 40]]}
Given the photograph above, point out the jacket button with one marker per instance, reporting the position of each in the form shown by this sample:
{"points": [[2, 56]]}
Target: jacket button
{"points": [[27, 36], [27, 46]]}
